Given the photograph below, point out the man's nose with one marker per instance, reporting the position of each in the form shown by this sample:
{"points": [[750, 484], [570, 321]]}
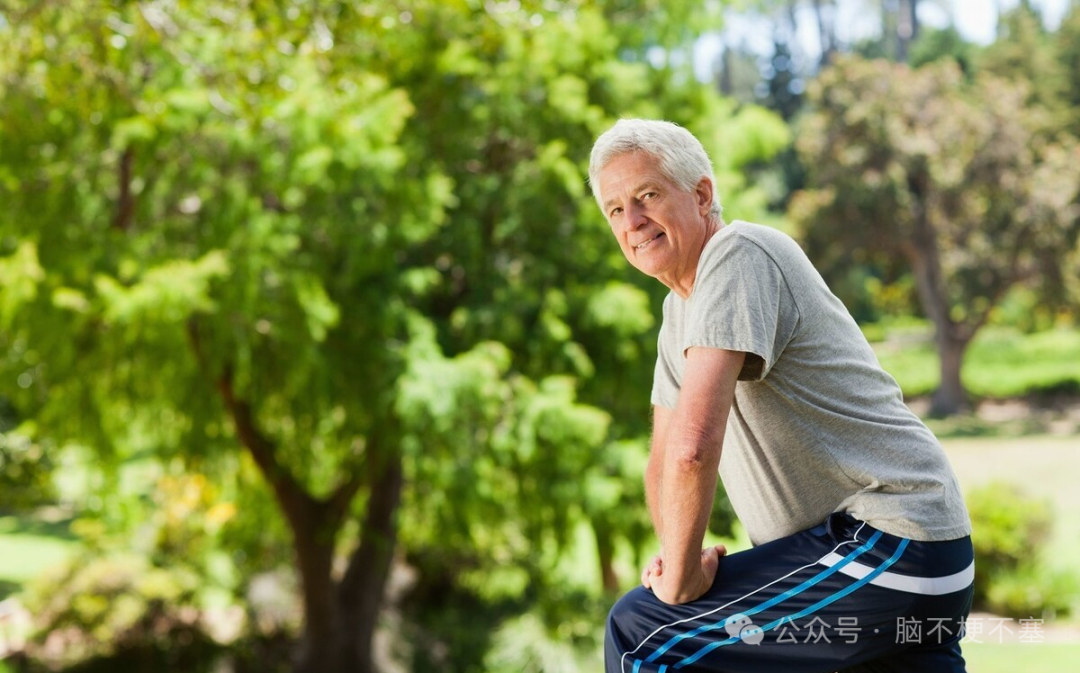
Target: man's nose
{"points": [[635, 216]]}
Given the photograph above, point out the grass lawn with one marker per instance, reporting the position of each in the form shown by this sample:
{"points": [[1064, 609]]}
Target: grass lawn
{"points": [[1000, 362], [1022, 657], [1042, 466], [29, 545]]}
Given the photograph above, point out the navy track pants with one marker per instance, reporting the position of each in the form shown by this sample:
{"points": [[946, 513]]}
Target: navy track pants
{"points": [[841, 596]]}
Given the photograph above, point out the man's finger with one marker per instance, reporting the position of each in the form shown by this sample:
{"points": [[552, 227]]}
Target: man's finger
{"points": [[651, 569]]}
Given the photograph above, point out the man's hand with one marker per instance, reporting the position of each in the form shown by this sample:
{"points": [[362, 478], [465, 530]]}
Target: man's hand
{"points": [[691, 587], [655, 567]]}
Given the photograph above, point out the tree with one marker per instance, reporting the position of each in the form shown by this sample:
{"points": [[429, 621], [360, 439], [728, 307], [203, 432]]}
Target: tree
{"points": [[1024, 52], [1068, 49], [737, 72], [781, 84], [825, 13], [959, 180], [905, 26], [174, 183], [942, 43], [355, 244]]}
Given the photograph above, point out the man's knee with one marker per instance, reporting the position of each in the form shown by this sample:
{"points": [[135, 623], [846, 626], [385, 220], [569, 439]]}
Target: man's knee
{"points": [[626, 617]]}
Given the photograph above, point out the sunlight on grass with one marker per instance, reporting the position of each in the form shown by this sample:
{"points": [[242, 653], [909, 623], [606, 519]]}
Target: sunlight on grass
{"points": [[24, 555], [1000, 362], [1026, 657], [1041, 466]]}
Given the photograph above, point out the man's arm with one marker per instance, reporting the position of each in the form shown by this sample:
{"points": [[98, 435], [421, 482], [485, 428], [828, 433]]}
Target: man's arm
{"points": [[653, 471], [683, 471], [655, 468]]}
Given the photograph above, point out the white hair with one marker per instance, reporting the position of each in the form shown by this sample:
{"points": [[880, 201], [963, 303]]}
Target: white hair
{"points": [[680, 156]]}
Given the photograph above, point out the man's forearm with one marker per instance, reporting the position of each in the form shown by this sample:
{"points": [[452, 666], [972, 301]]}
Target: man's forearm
{"points": [[654, 469], [653, 472], [690, 457], [687, 489]]}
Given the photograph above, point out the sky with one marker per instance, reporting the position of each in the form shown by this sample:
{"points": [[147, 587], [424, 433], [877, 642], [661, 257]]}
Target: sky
{"points": [[974, 19]]}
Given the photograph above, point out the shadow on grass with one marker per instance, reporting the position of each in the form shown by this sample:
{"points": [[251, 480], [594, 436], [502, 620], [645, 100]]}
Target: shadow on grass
{"points": [[967, 425], [8, 588], [44, 522], [1051, 411], [185, 650]]}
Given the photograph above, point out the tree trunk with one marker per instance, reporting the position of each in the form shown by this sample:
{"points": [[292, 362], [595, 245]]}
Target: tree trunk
{"points": [[339, 617], [950, 397], [826, 33], [364, 584], [726, 81], [913, 18], [125, 199], [907, 29], [313, 544], [605, 548], [951, 338]]}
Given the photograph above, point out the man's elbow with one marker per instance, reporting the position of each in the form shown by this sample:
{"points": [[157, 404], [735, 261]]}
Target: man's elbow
{"points": [[698, 445], [676, 597], [697, 457]]}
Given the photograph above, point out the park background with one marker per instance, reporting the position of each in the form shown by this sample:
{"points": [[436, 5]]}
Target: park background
{"points": [[316, 354]]}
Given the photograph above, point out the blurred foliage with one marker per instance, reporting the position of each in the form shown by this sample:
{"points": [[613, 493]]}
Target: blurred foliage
{"points": [[283, 283], [962, 183], [934, 44], [26, 465], [1068, 44], [25, 473], [1001, 363], [1024, 53], [1010, 532], [99, 606], [1009, 527], [527, 645], [355, 241], [1034, 590]]}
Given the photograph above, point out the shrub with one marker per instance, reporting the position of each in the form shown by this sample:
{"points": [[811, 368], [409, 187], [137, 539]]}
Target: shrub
{"points": [[101, 607], [1009, 531], [1032, 591]]}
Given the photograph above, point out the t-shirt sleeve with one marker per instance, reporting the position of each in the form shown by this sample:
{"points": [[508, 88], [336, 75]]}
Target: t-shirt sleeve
{"points": [[741, 302], [665, 391]]}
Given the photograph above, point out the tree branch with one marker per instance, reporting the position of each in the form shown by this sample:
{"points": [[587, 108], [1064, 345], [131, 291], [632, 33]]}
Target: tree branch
{"points": [[342, 496], [297, 504], [371, 559], [262, 450], [125, 203]]}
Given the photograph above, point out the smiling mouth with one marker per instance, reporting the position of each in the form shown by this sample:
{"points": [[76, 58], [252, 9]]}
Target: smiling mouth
{"points": [[642, 246]]}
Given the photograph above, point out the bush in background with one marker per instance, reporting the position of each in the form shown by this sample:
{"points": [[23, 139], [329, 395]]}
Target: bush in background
{"points": [[102, 607], [1009, 532]]}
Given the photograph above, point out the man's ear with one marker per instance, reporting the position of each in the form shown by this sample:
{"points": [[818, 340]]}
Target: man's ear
{"points": [[704, 194]]}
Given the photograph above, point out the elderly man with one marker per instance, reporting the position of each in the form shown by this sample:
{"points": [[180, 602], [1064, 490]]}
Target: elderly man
{"points": [[862, 559]]}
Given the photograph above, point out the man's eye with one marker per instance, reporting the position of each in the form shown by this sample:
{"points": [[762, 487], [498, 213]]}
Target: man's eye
{"points": [[615, 211], [647, 195]]}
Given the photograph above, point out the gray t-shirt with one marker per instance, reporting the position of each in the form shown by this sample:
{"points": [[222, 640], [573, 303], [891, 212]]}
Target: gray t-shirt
{"points": [[817, 425]]}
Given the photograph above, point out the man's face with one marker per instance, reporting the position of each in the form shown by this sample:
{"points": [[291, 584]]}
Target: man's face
{"points": [[660, 228]]}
